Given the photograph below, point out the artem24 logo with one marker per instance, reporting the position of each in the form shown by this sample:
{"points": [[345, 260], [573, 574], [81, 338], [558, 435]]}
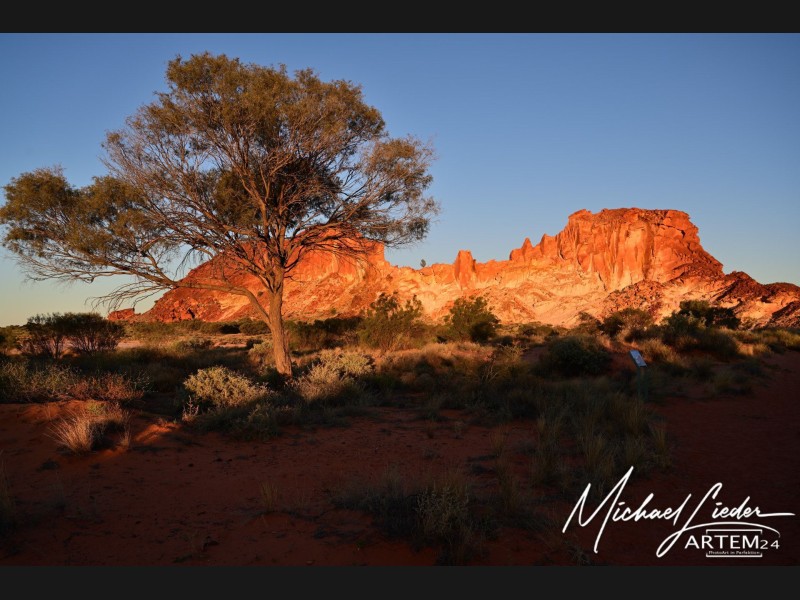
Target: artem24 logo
{"points": [[734, 542]]}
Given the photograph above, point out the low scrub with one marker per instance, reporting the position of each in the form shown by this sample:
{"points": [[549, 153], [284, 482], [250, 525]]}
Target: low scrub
{"points": [[334, 375], [52, 335], [575, 356], [471, 319], [629, 324], [23, 380], [389, 325], [85, 430], [222, 388]]}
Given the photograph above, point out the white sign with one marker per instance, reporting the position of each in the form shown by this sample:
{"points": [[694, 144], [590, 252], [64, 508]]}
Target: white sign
{"points": [[638, 359]]}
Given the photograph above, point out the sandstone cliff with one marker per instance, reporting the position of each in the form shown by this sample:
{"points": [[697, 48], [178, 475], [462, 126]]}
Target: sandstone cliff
{"points": [[599, 263]]}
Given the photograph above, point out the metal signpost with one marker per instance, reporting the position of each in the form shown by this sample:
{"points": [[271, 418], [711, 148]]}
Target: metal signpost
{"points": [[641, 374]]}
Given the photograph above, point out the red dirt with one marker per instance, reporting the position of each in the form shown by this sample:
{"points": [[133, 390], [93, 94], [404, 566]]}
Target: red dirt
{"points": [[178, 497]]}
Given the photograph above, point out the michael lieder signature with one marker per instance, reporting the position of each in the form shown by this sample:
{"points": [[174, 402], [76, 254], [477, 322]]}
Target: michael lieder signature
{"points": [[613, 509]]}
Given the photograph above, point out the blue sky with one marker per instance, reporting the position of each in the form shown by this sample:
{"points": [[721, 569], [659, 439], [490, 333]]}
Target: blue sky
{"points": [[528, 128]]}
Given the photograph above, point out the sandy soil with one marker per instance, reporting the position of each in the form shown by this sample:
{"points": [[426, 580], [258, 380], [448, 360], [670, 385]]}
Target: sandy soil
{"points": [[178, 497]]}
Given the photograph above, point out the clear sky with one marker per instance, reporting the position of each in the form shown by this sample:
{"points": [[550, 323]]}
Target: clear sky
{"points": [[528, 128]]}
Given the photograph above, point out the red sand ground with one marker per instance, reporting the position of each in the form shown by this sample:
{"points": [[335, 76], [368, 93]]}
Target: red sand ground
{"points": [[177, 497]]}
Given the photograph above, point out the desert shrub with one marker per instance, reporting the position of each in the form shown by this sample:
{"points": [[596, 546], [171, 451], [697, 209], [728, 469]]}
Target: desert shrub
{"points": [[86, 333], [445, 518], [89, 333], [629, 323], [471, 320], [390, 501], [710, 316], [322, 333], [779, 340], [192, 344], [587, 325], [451, 367], [388, 324], [654, 350], [688, 333], [10, 337], [114, 387], [440, 513], [221, 387], [45, 335], [261, 354], [333, 375], [78, 433], [229, 328], [679, 330], [575, 356], [252, 327], [25, 381]]}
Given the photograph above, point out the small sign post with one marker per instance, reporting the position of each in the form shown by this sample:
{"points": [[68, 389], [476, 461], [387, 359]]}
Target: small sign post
{"points": [[641, 374]]}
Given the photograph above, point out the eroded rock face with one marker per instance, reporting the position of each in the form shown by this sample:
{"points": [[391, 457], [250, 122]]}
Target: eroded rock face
{"points": [[650, 259]]}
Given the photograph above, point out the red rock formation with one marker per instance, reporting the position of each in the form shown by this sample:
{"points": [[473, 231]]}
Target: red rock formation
{"points": [[126, 314], [599, 263]]}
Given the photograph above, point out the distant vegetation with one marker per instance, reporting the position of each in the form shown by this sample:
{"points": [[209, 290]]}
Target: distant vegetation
{"points": [[576, 388]]}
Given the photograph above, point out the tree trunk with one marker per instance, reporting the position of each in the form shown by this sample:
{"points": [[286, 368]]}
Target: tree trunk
{"points": [[280, 342]]}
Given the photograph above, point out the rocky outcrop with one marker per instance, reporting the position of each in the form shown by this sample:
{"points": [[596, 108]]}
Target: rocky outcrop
{"points": [[650, 259]]}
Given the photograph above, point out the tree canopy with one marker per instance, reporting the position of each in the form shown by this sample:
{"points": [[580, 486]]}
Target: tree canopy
{"points": [[240, 163]]}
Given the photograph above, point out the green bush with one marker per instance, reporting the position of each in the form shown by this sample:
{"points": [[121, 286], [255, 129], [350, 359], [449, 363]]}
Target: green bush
{"points": [[630, 323], [388, 325], [252, 327], [587, 325], [710, 316], [334, 375], [575, 356], [45, 335], [26, 381], [322, 333], [89, 333], [471, 320], [262, 354], [85, 333], [192, 344], [222, 388], [687, 333], [10, 337]]}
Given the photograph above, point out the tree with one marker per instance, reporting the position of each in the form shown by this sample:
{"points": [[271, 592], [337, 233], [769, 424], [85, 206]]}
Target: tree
{"points": [[237, 163], [388, 324], [471, 319]]}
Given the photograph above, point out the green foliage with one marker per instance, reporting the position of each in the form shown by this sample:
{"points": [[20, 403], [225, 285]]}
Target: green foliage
{"points": [[587, 325], [10, 337], [631, 323], [471, 320], [687, 333], [221, 388], [89, 333], [27, 381], [192, 344], [335, 375], [45, 335], [389, 325], [261, 355], [320, 171], [322, 333], [253, 327], [709, 316], [575, 356], [85, 333]]}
